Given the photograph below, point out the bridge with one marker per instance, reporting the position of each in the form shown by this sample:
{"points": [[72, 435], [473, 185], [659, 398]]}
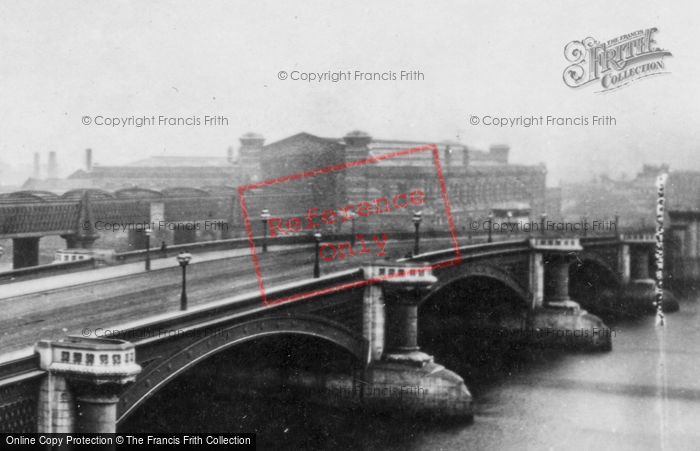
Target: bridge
{"points": [[76, 216], [386, 316]]}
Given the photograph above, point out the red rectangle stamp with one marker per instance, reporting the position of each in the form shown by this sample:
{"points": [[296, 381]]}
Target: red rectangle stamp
{"points": [[375, 206]]}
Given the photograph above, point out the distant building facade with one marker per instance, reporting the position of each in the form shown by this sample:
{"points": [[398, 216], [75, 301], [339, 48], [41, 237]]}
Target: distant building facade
{"points": [[633, 201], [477, 181]]}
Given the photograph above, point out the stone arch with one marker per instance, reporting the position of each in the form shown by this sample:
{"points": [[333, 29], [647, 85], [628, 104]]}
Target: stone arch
{"points": [[594, 284], [459, 273], [156, 374], [591, 258]]}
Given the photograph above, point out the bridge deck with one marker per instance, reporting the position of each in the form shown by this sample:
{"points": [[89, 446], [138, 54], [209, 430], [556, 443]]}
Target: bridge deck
{"points": [[103, 298]]}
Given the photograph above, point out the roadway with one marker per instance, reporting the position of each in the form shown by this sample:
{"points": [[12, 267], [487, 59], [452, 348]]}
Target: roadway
{"points": [[52, 307]]}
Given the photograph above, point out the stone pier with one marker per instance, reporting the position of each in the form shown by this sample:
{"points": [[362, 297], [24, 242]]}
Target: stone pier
{"points": [[639, 291], [86, 234], [559, 320], [84, 379], [405, 379], [25, 252]]}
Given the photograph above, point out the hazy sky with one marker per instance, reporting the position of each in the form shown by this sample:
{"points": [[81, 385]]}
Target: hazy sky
{"points": [[186, 59]]}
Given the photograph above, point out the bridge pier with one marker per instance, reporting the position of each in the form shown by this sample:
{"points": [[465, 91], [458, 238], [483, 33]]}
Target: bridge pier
{"points": [[561, 321], [557, 281], [84, 379], [403, 367], [79, 242], [25, 252], [639, 294], [639, 263], [85, 234]]}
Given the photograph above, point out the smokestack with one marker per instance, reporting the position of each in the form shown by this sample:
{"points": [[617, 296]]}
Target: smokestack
{"points": [[229, 155], [37, 165], [448, 156], [88, 160], [499, 153], [53, 167]]}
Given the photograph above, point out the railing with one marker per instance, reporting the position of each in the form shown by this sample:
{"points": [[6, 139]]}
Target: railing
{"points": [[52, 269], [242, 243], [465, 238]]}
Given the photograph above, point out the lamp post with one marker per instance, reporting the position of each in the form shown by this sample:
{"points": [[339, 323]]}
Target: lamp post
{"points": [[148, 233], [317, 263], [617, 225], [353, 216], [543, 220], [417, 218], [490, 239], [510, 217], [264, 216], [2, 251], [183, 258]]}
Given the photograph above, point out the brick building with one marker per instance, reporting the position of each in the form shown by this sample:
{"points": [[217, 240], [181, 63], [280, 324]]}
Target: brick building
{"points": [[476, 181]]}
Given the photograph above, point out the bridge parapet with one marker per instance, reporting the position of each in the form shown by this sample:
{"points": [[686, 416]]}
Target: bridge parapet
{"points": [[405, 273], [556, 244], [94, 371], [638, 238], [102, 359]]}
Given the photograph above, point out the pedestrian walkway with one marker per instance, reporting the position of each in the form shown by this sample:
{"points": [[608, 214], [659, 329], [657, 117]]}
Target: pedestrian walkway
{"points": [[110, 272]]}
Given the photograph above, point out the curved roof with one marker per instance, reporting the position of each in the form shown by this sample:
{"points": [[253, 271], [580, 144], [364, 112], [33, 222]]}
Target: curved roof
{"points": [[182, 191], [219, 189], [251, 135], [137, 193], [28, 196], [92, 194]]}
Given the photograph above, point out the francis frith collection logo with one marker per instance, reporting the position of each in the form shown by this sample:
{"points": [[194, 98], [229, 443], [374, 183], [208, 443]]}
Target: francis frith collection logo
{"points": [[616, 62]]}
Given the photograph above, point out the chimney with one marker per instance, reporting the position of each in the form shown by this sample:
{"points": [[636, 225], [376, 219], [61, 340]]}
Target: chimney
{"points": [[465, 156], [357, 180], [229, 155], [356, 145], [250, 154], [499, 153], [251, 145], [53, 167], [448, 156], [37, 165], [88, 160]]}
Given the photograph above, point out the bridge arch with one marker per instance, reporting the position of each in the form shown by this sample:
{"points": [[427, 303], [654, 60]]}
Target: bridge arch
{"points": [[593, 283], [157, 373], [595, 260], [460, 273], [459, 322], [599, 266]]}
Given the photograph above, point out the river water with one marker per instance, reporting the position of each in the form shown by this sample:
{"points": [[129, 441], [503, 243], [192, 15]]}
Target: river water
{"points": [[645, 394]]}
